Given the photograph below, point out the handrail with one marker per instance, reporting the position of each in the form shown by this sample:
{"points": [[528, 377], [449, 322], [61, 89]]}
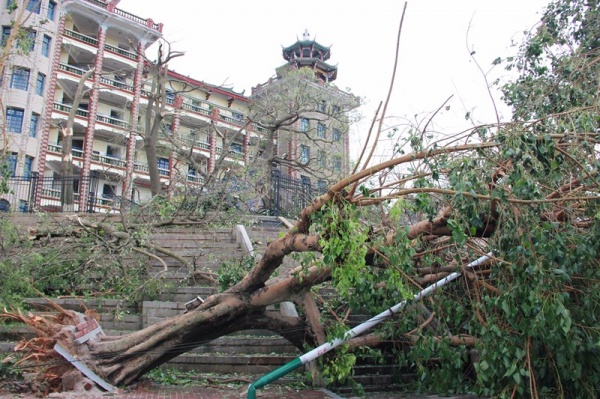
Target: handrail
{"points": [[367, 325]]}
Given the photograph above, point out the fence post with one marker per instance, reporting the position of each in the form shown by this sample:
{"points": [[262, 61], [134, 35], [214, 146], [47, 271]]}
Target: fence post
{"points": [[93, 187], [34, 180], [276, 191]]}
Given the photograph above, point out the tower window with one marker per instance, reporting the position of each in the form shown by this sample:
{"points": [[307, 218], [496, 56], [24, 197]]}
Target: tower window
{"points": [[10, 163], [51, 10], [304, 124], [39, 87], [321, 130], [304, 154], [14, 120], [20, 79], [337, 163], [46, 45], [337, 135], [34, 6], [33, 125], [28, 167]]}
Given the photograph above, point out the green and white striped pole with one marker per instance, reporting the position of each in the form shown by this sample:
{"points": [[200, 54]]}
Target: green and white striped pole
{"points": [[367, 325]]}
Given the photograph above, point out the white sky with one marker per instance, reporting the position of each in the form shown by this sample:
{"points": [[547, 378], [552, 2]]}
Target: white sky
{"points": [[238, 43]]}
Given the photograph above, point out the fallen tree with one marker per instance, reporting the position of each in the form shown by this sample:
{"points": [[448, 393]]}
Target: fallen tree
{"points": [[526, 191]]}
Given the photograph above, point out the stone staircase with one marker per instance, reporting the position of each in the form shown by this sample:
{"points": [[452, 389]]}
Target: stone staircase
{"points": [[254, 352]]}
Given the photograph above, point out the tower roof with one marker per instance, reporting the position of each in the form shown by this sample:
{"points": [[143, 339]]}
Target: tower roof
{"points": [[310, 53]]}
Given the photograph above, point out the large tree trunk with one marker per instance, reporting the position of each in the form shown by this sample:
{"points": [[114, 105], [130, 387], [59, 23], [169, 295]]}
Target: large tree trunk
{"points": [[121, 360]]}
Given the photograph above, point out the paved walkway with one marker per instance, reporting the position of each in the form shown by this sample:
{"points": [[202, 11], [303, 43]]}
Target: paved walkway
{"points": [[199, 392]]}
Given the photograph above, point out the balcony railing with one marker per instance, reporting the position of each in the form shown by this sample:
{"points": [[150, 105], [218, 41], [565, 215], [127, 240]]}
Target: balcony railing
{"points": [[67, 109], [76, 152], [81, 37], [108, 160], [140, 167], [231, 120], [112, 121], [125, 14], [120, 51], [236, 154], [71, 69], [196, 143], [260, 129], [195, 179], [55, 193], [117, 84], [197, 108]]}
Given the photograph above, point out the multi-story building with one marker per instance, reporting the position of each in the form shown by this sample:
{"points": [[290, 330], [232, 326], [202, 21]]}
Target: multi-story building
{"points": [[316, 145], [204, 124]]}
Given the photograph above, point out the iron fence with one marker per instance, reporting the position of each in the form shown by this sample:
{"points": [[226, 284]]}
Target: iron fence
{"points": [[43, 193], [290, 195]]}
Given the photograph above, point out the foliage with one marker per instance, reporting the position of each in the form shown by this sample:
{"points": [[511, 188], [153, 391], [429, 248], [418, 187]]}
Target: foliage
{"points": [[231, 273]]}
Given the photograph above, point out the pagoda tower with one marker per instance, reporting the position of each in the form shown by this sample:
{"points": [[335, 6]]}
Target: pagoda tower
{"points": [[308, 53]]}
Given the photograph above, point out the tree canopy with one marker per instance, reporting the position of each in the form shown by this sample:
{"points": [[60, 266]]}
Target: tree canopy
{"points": [[525, 192]]}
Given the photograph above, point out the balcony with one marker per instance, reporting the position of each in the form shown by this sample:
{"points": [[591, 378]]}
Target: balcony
{"points": [[140, 167], [197, 109], [125, 53], [195, 178], [55, 193], [233, 121], [81, 37], [108, 160], [143, 167], [67, 108], [117, 84], [113, 121], [195, 143], [71, 69], [260, 129], [125, 14], [75, 152]]}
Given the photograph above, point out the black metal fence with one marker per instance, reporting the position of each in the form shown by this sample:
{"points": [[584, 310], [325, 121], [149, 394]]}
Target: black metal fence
{"points": [[35, 192], [287, 196], [290, 195]]}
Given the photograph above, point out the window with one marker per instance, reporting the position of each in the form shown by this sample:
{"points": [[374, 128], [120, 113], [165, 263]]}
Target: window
{"points": [[191, 171], [20, 79], [39, 87], [321, 106], [336, 109], [28, 167], [322, 158], [51, 10], [113, 152], [235, 147], [304, 124], [322, 186], [29, 41], [109, 191], [336, 135], [14, 120], [237, 116], [11, 164], [337, 163], [5, 34], [34, 6], [304, 154], [163, 166], [33, 125], [46, 45], [321, 130]]}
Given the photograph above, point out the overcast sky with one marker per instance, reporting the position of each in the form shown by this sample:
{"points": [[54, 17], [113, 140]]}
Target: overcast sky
{"points": [[238, 43]]}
